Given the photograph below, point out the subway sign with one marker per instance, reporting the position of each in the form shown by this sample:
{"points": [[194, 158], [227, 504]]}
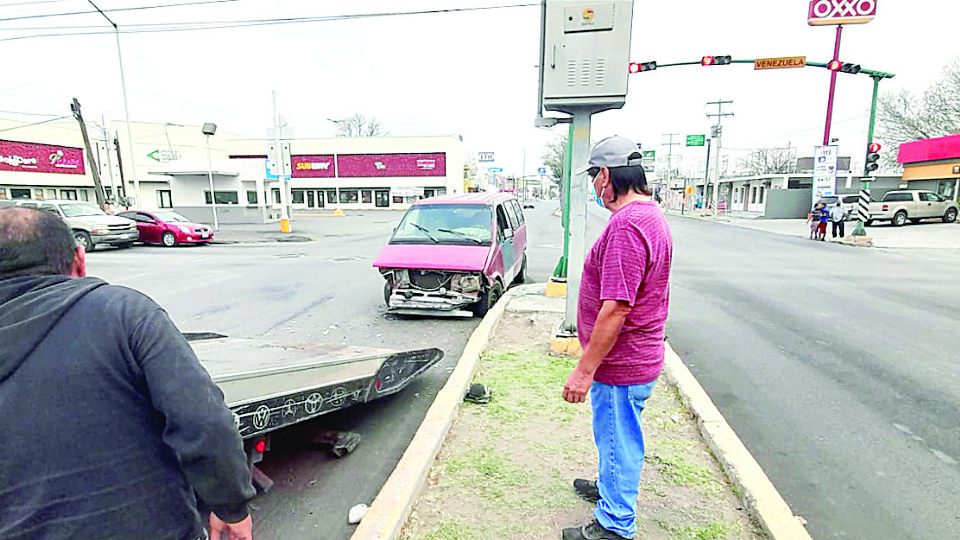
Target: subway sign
{"points": [[823, 12]]}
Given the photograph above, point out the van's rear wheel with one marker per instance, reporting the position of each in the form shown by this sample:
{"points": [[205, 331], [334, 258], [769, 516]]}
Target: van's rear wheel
{"points": [[522, 274], [950, 216], [488, 298], [899, 219]]}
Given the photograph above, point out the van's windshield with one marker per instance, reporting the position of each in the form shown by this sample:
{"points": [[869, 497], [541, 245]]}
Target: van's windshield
{"points": [[445, 224]]}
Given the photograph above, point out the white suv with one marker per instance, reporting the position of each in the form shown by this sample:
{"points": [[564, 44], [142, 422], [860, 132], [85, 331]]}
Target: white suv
{"points": [[90, 225]]}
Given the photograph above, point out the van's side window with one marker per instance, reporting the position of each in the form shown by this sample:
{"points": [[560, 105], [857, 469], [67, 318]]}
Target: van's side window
{"points": [[502, 223], [512, 214], [519, 210]]}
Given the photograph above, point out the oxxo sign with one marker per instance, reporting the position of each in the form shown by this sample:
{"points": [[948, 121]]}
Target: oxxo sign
{"points": [[841, 12]]}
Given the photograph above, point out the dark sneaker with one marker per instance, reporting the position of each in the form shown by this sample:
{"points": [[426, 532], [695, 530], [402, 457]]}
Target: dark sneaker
{"points": [[591, 531], [586, 489]]}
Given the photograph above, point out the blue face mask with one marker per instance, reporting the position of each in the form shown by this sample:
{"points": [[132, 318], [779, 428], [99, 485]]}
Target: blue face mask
{"points": [[599, 202]]}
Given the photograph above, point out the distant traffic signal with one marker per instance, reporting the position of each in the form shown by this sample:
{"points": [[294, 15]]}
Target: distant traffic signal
{"points": [[715, 60], [843, 67], [637, 67], [873, 155]]}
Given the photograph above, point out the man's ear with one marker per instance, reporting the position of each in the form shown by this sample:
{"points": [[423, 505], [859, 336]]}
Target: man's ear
{"points": [[79, 266]]}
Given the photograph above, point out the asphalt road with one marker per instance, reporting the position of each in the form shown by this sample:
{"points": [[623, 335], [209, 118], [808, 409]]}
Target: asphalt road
{"points": [[836, 366], [325, 291], [832, 363]]}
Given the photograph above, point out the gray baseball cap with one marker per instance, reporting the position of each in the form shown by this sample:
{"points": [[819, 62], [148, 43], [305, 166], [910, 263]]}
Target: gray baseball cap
{"points": [[615, 151]]}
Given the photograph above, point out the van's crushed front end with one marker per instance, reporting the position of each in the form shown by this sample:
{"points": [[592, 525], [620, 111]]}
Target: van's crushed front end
{"points": [[431, 292]]}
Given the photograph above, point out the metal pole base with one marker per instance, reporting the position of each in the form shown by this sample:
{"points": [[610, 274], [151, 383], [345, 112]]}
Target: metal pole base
{"points": [[561, 270]]}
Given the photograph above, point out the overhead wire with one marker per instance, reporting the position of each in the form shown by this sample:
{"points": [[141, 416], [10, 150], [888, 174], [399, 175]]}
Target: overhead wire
{"points": [[116, 10], [144, 28], [35, 123]]}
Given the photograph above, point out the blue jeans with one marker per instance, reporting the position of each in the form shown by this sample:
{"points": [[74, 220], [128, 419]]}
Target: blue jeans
{"points": [[618, 434]]}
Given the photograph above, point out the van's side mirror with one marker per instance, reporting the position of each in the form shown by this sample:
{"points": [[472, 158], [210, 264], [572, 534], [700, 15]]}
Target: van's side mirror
{"points": [[508, 233]]}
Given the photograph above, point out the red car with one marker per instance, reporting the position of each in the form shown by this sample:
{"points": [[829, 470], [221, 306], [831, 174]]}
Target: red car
{"points": [[168, 228]]}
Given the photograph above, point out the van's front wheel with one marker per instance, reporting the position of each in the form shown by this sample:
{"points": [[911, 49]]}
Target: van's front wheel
{"points": [[488, 298]]}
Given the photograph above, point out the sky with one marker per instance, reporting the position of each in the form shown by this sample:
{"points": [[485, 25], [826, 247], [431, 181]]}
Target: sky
{"points": [[472, 72]]}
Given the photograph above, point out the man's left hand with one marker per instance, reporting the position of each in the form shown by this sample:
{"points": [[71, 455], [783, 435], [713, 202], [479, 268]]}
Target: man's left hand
{"points": [[577, 385]]}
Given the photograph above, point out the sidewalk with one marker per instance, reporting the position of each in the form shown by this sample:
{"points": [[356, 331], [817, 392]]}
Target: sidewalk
{"points": [[928, 234], [504, 469]]}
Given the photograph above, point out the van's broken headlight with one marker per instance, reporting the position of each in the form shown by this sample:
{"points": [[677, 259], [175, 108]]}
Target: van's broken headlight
{"points": [[466, 283]]}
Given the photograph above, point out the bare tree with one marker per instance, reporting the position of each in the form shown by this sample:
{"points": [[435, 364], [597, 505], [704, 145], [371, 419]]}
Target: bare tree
{"points": [[903, 117], [359, 125], [776, 160]]}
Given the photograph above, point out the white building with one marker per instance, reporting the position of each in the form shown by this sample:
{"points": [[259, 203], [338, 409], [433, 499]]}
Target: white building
{"points": [[173, 169]]}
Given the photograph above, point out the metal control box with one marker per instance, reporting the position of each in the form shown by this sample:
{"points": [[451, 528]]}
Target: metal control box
{"points": [[586, 51]]}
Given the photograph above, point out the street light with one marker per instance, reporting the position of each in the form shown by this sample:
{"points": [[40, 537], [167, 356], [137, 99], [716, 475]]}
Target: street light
{"points": [[126, 108], [209, 129]]}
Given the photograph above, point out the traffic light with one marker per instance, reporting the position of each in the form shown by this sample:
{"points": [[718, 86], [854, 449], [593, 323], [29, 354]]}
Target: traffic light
{"points": [[843, 67], [637, 67], [715, 60], [873, 155]]}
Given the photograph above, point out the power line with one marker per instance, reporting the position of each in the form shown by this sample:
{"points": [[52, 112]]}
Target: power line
{"points": [[34, 124], [32, 3], [143, 28], [117, 10], [26, 113]]}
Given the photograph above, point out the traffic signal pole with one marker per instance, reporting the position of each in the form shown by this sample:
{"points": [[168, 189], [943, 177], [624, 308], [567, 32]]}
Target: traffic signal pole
{"points": [[863, 210], [833, 86]]}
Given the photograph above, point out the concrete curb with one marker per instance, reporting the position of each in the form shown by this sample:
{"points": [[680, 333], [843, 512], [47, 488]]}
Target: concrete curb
{"points": [[759, 494], [392, 506]]}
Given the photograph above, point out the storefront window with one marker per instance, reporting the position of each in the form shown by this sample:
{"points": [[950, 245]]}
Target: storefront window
{"points": [[68, 194], [297, 196], [332, 196], [251, 196], [366, 196], [223, 197], [348, 196]]}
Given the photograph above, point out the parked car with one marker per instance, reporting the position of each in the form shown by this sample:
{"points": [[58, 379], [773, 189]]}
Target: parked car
{"points": [[849, 203], [454, 252], [91, 226], [898, 207], [168, 228]]}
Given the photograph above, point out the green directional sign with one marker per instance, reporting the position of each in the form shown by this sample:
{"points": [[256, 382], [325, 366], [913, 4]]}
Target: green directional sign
{"points": [[154, 155], [695, 140], [649, 154]]}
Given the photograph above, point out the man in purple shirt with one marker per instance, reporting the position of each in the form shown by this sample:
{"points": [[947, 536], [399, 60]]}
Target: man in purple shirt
{"points": [[624, 296]]}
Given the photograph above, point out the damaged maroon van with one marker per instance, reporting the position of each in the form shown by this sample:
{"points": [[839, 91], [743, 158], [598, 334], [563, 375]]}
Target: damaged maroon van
{"points": [[454, 255]]}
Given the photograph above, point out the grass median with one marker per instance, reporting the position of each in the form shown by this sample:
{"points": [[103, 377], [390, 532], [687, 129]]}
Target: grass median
{"points": [[506, 468]]}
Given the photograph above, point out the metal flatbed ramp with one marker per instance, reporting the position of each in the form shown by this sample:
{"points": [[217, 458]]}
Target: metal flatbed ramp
{"points": [[269, 386]]}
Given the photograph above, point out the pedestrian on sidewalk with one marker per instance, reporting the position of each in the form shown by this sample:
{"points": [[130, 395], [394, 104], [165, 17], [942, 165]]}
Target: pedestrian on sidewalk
{"points": [[813, 219], [621, 312], [112, 426], [824, 216], [837, 214]]}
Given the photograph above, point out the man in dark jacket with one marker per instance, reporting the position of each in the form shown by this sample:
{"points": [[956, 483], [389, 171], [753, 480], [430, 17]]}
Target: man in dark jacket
{"points": [[110, 425]]}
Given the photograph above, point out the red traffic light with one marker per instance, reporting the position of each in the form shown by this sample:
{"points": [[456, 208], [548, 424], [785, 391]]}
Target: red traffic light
{"points": [[834, 65], [874, 148], [706, 61], [638, 67]]}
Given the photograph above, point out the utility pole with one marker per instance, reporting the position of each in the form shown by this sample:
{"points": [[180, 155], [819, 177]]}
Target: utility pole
{"points": [[670, 146], [106, 145], [93, 165], [123, 187], [717, 132]]}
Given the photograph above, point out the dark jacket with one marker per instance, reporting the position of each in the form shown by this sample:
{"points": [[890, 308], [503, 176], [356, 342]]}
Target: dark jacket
{"points": [[109, 423]]}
